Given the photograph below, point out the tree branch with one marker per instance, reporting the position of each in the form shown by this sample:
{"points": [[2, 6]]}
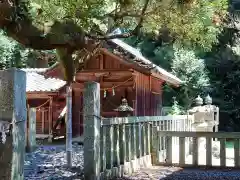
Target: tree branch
{"points": [[55, 34], [124, 35]]}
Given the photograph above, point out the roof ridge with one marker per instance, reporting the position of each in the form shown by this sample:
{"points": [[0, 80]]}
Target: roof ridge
{"points": [[169, 77]]}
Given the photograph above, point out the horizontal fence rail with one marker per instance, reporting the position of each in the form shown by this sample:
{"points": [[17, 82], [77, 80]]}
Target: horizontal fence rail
{"points": [[185, 120], [197, 156]]}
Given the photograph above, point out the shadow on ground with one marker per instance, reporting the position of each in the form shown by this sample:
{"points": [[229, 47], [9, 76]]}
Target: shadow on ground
{"points": [[202, 174], [171, 173]]}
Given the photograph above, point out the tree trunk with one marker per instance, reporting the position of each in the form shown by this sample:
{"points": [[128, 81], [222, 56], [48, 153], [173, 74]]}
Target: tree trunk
{"points": [[68, 122]]}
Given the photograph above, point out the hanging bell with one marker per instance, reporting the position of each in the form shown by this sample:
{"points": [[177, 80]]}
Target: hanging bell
{"points": [[105, 93], [113, 92]]}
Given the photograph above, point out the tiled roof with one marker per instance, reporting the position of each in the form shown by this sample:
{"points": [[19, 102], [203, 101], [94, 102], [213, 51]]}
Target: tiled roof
{"points": [[143, 62], [38, 83], [37, 70]]}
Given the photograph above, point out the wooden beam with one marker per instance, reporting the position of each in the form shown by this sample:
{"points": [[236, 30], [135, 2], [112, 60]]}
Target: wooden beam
{"points": [[117, 84], [118, 78], [39, 96], [50, 117], [94, 76], [77, 85], [105, 70]]}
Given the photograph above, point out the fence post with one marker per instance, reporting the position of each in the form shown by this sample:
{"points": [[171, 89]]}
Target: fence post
{"points": [[91, 122], [12, 110], [31, 130], [155, 147]]}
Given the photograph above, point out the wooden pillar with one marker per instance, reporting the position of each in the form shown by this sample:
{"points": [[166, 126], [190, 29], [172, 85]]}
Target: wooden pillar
{"points": [[68, 122], [101, 67], [50, 127], [149, 96], [13, 110], [31, 130], [91, 122], [43, 119]]}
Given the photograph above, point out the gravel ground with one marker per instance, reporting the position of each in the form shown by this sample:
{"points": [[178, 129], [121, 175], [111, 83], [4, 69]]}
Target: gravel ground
{"points": [[196, 174], [48, 163], [173, 173]]}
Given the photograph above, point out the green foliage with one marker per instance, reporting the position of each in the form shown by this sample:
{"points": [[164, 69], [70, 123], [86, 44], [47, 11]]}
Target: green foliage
{"points": [[85, 13], [192, 23], [218, 74], [176, 109], [223, 64], [191, 70], [182, 62], [188, 22], [13, 54]]}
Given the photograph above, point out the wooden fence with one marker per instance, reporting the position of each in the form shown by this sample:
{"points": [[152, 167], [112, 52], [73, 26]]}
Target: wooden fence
{"points": [[125, 143], [197, 156], [115, 146]]}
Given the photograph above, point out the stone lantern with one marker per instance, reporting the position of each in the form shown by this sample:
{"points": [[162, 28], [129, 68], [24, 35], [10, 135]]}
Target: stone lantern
{"points": [[205, 117], [124, 109], [199, 101], [212, 114], [208, 100], [199, 124], [199, 115]]}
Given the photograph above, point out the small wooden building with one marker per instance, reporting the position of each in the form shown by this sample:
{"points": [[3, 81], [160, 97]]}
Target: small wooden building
{"points": [[47, 95], [122, 72]]}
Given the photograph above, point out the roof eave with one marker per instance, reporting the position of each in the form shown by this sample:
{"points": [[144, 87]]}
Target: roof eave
{"points": [[42, 91], [176, 82]]}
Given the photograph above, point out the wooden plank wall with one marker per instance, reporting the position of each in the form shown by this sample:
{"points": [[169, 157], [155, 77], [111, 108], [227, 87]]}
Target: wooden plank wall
{"points": [[156, 96], [77, 116], [142, 104], [109, 62], [42, 120], [148, 95]]}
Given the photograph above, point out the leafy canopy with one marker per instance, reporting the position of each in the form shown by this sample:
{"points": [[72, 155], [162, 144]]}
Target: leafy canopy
{"points": [[190, 22], [13, 54], [75, 25]]}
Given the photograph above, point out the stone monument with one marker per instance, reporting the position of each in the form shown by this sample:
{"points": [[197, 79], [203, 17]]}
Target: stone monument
{"points": [[212, 114], [206, 117], [13, 116]]}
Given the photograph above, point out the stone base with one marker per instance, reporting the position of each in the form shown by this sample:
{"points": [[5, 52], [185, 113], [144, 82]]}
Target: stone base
{"points": [[6, 159], [79, 139], [12, 154], [134, 165], [127, 169], [31, 149]]}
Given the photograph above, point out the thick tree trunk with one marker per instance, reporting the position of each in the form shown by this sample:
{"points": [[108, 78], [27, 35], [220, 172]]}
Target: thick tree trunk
{"points": [[69, 126]]}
